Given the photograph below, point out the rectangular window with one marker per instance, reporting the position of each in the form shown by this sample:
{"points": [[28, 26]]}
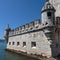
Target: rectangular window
{"points": [[9, 43], [13, 43], [26, 29], [36, 26], [18, 43], [24, 44], [33, 44], [31, 28]]}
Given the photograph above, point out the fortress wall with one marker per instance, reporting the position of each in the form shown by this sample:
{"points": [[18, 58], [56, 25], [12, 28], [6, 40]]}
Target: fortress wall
{"points": [[42, 44]]}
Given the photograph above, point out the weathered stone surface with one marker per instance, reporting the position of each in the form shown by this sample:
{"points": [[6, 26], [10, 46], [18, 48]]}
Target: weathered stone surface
{"points": [[42, 44], [35, 38], [56, 4]]}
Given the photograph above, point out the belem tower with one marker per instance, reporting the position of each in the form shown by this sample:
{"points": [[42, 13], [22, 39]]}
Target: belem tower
{"points": [[39, 38]]}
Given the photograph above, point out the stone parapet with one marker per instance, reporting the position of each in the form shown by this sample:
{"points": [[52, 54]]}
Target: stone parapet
{"points": [[26, 28]]}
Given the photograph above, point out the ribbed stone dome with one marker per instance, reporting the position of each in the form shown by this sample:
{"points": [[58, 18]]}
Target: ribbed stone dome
{"points": [[47, 6]]}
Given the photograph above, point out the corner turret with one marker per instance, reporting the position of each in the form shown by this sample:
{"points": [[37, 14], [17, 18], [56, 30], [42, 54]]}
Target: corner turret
{"points": [[48, 14], [7, 32], [48, 24]]}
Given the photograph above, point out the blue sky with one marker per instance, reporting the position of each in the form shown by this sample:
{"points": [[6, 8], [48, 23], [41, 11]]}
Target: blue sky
{"points": [[18, 12]]}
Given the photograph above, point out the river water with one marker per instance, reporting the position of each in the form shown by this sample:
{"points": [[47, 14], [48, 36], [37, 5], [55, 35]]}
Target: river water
{"points": [[4, 55]]}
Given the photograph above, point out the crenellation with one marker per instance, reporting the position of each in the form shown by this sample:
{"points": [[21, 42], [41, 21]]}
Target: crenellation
{"points": [[31, 25], [25, 28], [14, 32], [39, 38]]}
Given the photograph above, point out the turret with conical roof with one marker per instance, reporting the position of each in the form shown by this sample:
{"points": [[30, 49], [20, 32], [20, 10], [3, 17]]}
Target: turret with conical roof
{"points": [[7, 32]]}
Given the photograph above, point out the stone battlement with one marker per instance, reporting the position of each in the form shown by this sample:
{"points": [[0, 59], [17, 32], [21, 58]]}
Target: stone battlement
{"points": [[32, 26]]}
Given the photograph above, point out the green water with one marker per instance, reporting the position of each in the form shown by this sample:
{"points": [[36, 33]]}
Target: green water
{"points": [[4, 55]]}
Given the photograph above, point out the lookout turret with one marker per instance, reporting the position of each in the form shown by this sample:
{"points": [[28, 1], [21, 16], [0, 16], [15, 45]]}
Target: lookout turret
{"points": [[48, 24], [7, 32], [56, 4], [48, 14]]}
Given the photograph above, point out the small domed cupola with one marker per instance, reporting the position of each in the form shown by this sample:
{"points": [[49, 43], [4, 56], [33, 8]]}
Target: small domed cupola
{"points": [[47, 6]]}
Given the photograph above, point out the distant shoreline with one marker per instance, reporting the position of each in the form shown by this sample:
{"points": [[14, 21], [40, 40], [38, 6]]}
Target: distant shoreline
{"points": [[2, 40]]}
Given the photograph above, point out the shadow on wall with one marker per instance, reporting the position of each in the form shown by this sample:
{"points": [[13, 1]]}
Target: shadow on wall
{"points": [[54, 51], [58, 58]]}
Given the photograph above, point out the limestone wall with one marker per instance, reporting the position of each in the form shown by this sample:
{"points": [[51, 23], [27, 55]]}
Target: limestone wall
{"points": [[32, 26], [42, 44]]}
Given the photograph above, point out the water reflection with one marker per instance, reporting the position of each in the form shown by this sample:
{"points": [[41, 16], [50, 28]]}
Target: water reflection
{"points": [[4, 55], [12, 56]]}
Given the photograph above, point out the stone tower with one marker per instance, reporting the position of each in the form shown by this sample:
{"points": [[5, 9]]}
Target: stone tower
{"points": [[48, 24], [56, 4], [48, 14], [7, 32]]}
